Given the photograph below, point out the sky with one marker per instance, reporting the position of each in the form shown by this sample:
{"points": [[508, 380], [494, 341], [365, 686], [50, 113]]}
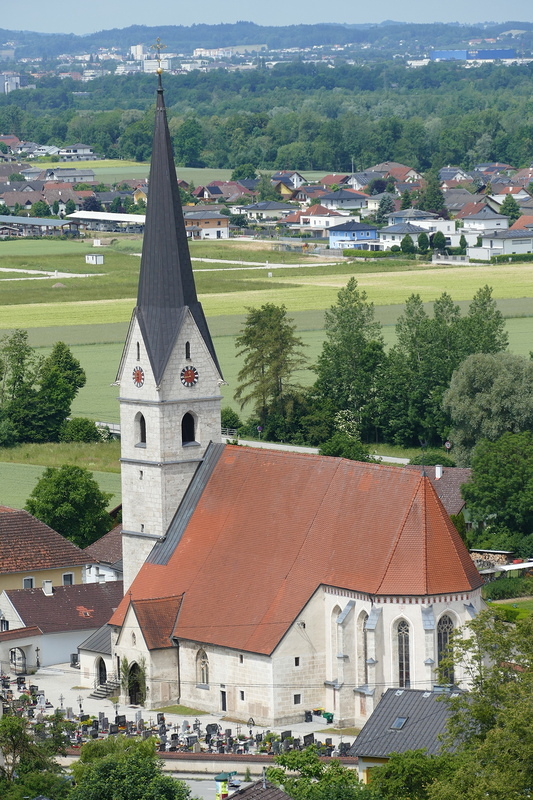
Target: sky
{"points": [[64, 16]]}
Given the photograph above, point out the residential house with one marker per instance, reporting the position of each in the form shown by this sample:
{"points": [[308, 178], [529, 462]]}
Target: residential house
{"points": [[484, 221], [494, 168], [31, 552], [401, 172], [69, 175], [404, 719], [51, 621], [209, 193], [357, 235], [77, 152], [103, 558], [522, 223], [305, 194], [284, 188], [430, 222], [10, 140], [455, 200], [499, 193], [206, 224], [316, 220], [360, 180], [334, 179], [344, 199], [447, 482], [392, 235], [452, 174], [502, 243], [374, 201], [295, 178], [266, 210]]}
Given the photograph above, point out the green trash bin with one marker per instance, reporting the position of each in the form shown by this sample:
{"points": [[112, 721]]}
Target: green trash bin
{"points": [[328, 716]]}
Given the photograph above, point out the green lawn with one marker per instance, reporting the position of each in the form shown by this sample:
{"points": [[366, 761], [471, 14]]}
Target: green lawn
{"points": [[525, 607], [17, 482]]}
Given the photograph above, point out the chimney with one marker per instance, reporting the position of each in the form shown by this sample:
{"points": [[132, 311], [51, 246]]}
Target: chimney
{"points": [[438, 472], [47, 588]]}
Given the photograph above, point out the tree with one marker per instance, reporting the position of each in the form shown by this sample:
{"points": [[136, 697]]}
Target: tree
{"points": [[188, 143], [406, 201], [243, 172], [489, 394], [16, 177], [305, 777], [409, 775], [123, 769], [432, 198], [386, 207], [351, 358], [407, 245], [510, 208], [463, 244], [91, 203], [70, 207], [265, 189], [40, 209], [423, 242], [55, 208], [272, 355], [438, 241], [500, 492], [69, 500], [230, 419]]}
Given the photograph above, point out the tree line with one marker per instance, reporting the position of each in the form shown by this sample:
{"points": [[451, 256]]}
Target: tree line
{"points": [[297, 116]]}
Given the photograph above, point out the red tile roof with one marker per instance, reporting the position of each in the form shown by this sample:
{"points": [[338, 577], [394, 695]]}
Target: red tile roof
{"points": [[27, 544], [157, 619], [20, 633], [522, 223], [107, 549], [270, 527], [470, 209], [82, 607], [448, 486]]}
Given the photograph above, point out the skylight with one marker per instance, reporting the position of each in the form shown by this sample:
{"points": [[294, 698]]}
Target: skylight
{"points": [[398, 723]]}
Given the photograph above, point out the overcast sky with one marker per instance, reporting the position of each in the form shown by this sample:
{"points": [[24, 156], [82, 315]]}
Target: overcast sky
{"points": [[65, 16]]}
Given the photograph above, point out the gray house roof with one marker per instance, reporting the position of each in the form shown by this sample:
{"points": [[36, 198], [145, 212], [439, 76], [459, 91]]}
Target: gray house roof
{"points": [[425, 715], [352, 226], [403, 227], [412, 213]]}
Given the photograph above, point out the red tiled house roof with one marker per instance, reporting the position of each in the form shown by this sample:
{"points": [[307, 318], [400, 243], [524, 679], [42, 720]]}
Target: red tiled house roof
{"points": [[272, 527], [81, 607], [26, 543], [157, 620], [107, 549]]}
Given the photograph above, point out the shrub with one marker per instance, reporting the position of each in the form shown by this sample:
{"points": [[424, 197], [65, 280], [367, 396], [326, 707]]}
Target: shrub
{"points": [[79, 429], [505, 588]]}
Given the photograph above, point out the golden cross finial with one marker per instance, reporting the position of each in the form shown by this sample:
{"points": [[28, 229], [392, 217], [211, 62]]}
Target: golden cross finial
{"points": [[158, 47]]}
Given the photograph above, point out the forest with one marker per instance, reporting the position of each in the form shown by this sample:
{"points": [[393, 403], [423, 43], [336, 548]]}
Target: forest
{"points": [[297, 116]]}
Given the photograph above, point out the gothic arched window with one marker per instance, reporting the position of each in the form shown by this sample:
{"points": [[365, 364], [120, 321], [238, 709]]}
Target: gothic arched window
{"points": [[140, 429], [187, 429], [404, 676], [187, 351], [444, 633], [202, 668]]}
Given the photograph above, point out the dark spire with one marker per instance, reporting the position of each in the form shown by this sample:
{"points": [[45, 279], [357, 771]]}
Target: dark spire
{"points": [[166, 282]]}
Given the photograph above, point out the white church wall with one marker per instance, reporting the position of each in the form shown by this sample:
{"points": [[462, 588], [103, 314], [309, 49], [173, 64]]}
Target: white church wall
{"points": [[244, 680]]}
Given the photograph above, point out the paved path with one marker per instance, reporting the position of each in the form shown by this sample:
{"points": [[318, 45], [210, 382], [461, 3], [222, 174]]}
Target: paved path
{"points": [[41, 274], [314, 450]]}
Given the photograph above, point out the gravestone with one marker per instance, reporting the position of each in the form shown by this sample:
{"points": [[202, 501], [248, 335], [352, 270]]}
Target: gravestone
{"points": [[329, 742], [185, 725], [70, 715], [105, 723], [228, 732], [286, 745], [146, 734], [309, 738], [197, 748], [113, 729], [285, 735], [84, 717]]}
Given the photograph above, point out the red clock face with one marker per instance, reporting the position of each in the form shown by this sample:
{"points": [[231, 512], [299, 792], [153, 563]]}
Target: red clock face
{"points": [[138, 376], [189, 376]]}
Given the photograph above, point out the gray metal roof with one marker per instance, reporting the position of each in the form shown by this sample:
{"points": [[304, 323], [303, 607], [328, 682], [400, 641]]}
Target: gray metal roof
{"points": [[162, 551], [427, 714], [352, 226], [39, 221], [166, 283], [507, 234], [403, 227], [99, 641]]}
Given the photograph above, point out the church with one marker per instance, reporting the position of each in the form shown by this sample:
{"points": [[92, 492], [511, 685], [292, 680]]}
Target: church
{"points": [[259, 583]]}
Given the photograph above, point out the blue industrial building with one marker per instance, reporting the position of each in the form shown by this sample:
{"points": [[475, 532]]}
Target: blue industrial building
{"points": [[472, 55]]}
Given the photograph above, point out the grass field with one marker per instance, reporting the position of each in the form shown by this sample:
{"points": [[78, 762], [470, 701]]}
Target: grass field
{"points": [[524, 607], [114, 170], [17, 482]]}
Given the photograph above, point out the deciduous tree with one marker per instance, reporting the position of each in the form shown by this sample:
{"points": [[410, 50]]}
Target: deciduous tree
{"points": [[69, 500]]}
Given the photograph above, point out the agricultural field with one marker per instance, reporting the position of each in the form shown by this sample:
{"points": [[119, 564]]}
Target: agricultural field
{"points": [[91, 314]]}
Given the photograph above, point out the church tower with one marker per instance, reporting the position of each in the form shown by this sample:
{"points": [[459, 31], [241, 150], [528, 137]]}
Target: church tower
{"points": [[169, 375]]}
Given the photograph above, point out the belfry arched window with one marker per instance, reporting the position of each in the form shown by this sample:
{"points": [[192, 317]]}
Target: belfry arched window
{"points": [[187, 429], [404, 670], [140, 430], [187, 351], [444, 634], [202, 668]]}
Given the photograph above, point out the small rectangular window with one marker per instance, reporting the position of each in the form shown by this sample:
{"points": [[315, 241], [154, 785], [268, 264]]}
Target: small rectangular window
{"points": [[241, 658], [297, 699], [242, 695], [297, 661], [4, 624], [27, 583], [68, 579]]}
